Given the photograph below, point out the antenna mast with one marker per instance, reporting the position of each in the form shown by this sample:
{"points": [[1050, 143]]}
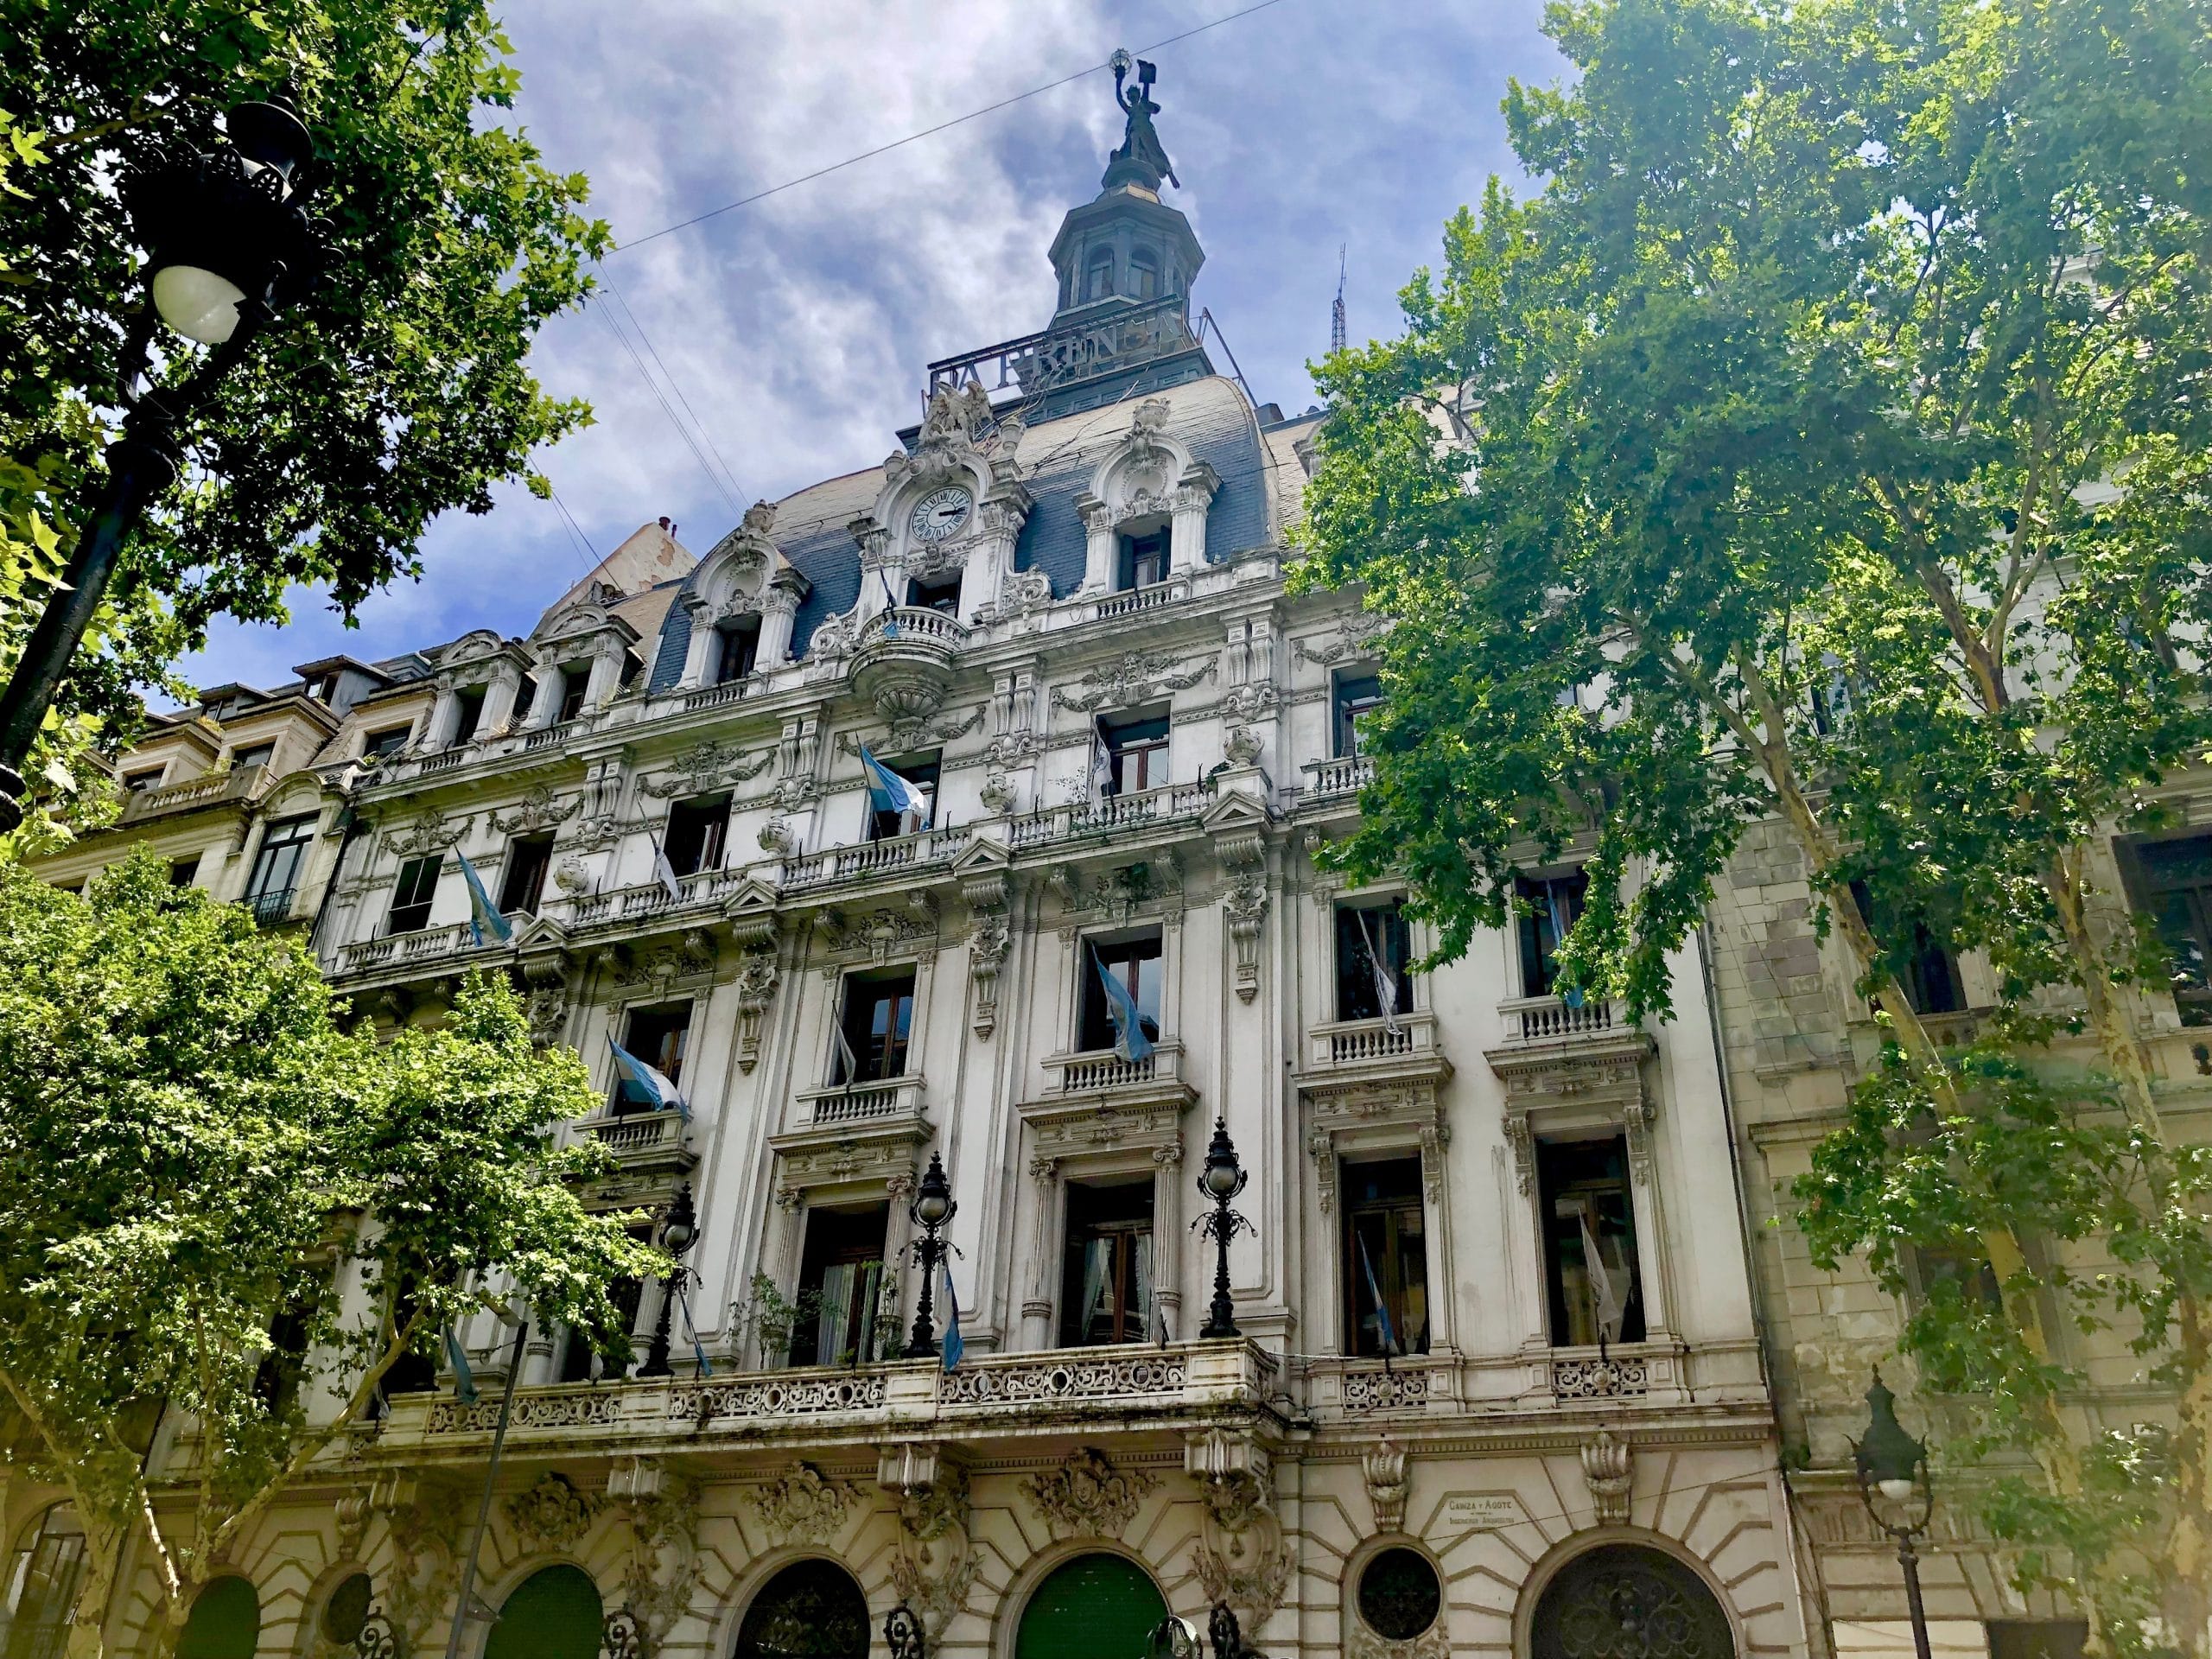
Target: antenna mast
{"points": [[1337, 310]]}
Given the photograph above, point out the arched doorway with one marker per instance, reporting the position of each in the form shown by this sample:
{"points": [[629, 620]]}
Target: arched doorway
{"points": [[1093, 1607], [225, 1622], [811, 1610], [552, 1614], [41, 1589], [1623, 1601]]}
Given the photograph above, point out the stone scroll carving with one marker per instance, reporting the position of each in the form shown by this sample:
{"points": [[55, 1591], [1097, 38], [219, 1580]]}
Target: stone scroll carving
{"points": [[803, 1506], [1087, 1496]]}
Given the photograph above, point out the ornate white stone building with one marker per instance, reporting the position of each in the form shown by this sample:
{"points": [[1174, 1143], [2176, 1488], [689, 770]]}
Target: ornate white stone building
{"points": [[1498, 1388]]}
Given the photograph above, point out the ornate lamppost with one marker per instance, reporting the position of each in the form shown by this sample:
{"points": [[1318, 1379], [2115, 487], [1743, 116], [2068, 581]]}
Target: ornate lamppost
{"points": [[228, 243], [1893, 1469], [933, 1207], [676, 1234], [1220, 1181]]}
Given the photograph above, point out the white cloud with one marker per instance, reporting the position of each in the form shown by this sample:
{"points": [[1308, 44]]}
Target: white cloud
{"points": [[798, 327]]}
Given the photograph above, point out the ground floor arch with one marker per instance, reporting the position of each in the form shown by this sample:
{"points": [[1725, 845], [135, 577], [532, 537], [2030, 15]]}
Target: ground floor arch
{"points": [[1629, 1601], [810, 1610], [1096, 1606], [554, 1613], [225, 1621]]}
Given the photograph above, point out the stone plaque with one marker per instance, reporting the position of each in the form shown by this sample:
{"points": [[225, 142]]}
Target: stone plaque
{"points": [[1481, 1512]]}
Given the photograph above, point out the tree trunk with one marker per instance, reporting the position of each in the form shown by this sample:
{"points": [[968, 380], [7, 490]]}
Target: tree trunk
{"points": [[88, 1623]]}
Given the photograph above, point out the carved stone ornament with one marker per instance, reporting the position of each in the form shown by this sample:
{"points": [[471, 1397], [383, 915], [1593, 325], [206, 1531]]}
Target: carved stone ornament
{"points": [[934, 1565], [429, 834], [1028, 590], [537, 810], [1240, 1558], [1383, 1466], [547, 1001], [1360, 1642], [776, 837], [551, 1515], [999, 794], [875, 935], [570, 875], [803, 1506], [705, 767], [1087, 1496], [987, 949], [690, 957], [1246, 903], [756, 989], [1353, 637], [1609, 1467], [1135, 676], [663, 1568], [908, 734], [1243, 747]]}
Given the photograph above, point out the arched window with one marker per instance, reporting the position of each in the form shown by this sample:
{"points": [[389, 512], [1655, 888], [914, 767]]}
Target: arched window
{"points": [[225, 1621], [1098, 281], [553, 1614], [1144, 275], [811, 1610], [42, 1586], [345, 1609], [1093, 1607], [1622, 1601]]}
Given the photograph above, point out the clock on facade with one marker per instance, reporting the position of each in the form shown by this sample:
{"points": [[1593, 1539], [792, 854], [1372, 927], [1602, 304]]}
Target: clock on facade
{"points": [[940, 513]]}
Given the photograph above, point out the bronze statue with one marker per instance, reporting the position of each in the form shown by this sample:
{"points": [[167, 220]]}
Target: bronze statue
{"points": [[1141, 159]]}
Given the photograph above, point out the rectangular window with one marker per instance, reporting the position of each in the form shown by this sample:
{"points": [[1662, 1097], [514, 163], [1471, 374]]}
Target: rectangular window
{"points": [[941, 596], [471, 706], [1106, 1282], [1935, 1272], [659, 1036], [2037, 1638], [137, 783], [523, 887], [275, 874], [883, 826], [1369, 937], [254, 754], [1386, 1257], [693, 840], [525, 700], [842, 1319], [413, 1371], [876, 1025], [183, 872], [412, 895], [1549, 906], [737, 648], [1354, 695], [575, 679], [1927, 973], [277, 1379], [1143, 562], [389, 741], [1586, 1209], [1134, 755], [1135, 963], [2175, 881], [579, 1361]]}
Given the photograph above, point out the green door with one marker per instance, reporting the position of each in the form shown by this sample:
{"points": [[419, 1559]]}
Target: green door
{"points": [[1094, 1607], [553, 1614], [225, 1622]]}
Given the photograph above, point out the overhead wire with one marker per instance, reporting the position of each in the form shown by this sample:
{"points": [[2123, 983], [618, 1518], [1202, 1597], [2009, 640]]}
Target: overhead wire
{"points": [[669, 409], [676, 386], [575, 529]]}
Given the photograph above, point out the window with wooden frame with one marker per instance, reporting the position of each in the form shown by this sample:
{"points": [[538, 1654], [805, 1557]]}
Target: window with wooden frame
{"points": [[2172, 881], [1133, 755], [522, 886], [1927, 971], [1106, 1279], [876, 1025], [413, 895], [1141, 562], [841, 1320], [1385, 1266], [578, 1361], [737, 648], [388, 740], [1548, 907], [575, 679], [922, 773], [941, 595], [470, 703], [1134, 963], [1352, 699], [695, 833], [1591, 1273], [661, 1037], [1372, 938]]}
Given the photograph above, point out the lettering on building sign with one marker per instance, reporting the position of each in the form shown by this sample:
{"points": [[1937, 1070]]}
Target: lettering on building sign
{"points": [[1482, 1512]]}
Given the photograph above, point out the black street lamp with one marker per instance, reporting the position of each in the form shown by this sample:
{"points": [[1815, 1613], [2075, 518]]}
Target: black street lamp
{"points": [[1221, 1181], [933, 1206], [676, 1234], [1892, 1469], [227, 242]]}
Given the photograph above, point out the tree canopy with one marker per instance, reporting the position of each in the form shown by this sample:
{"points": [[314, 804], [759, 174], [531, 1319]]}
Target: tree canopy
{"points": [[397, 389], [1826, 440], [223, 1201]]}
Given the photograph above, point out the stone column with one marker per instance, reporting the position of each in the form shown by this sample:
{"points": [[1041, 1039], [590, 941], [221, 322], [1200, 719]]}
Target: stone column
{"points": [[445, 718], [778, 611], [606, 674], [1098, 545], [499, 698], [1037, 1310], [700, 649], [545, 701], [897, 1236], [1186, 545], [1167, 1238]]}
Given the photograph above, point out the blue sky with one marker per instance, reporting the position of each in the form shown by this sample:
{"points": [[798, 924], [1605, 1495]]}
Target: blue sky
{"points": [[798, 328]]}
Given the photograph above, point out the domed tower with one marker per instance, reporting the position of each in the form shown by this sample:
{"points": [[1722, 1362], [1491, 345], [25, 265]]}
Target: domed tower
{"points": [[1127, 247]]}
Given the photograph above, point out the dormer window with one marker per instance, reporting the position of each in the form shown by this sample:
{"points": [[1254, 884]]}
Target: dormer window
{"points": [[574, 681], [1143, 561], [470, 708], [737, 648], [254, 754], [1144, 275], [1098, 279], [942, 595]]}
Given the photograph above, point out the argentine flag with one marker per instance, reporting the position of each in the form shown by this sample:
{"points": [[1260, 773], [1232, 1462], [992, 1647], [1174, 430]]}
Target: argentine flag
{"points": [[1130, 1041], [953, 1347], [658, 1086], [484, 918], [888, 793]]}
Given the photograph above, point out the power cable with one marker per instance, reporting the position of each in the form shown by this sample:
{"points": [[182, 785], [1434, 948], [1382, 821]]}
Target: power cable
{"points": [[927, 132], [575, 529], [676, 386], [668, 409]]}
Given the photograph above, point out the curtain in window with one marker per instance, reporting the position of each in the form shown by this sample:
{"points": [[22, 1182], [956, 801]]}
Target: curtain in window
{"points": [[1140, 1319], [836, 1307], [1098, 1283]]}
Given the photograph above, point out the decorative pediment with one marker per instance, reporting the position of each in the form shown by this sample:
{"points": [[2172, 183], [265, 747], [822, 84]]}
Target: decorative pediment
{"points": [[1354, 637], [875, 937], [540, 933], [870, 1151], [1151, 474], [478, 645], [915, 732], [1573, 1067], [752, 911], [738, 572]]}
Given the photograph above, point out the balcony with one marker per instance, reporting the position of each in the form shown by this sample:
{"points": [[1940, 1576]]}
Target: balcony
{"points": [[1362, 1067], [215, 788], [902, 660], [1152, 597], [1115, 814], [411, 951], [1528, 1021], [274, 908], [643, 1142], [864, 1103], [895, 855], [1335, 779]]}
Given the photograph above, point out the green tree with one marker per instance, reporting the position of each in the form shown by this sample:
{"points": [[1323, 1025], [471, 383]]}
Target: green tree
{"points": [[1763, 465], [395, 390], [222, 1203]]}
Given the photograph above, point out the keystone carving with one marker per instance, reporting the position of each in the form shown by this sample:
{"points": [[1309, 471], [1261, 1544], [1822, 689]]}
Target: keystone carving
{"points": [[1383, 1464], [663, 1512], [1240, 1557], [933, 1565], [705, 766], [803, 1507], [756, 989], [552, 1513], [1087, 1496], [1609, 1467]]}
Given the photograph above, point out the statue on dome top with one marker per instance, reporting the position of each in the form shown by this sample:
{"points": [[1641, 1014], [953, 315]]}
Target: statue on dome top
{"points": [[1141, 160]]}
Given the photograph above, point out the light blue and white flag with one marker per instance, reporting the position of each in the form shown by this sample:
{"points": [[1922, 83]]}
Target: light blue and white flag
{"points": [[888, 793], [484, 918], [664, 872], [1383, 1327], [658, 1085], [1561, 923], [464, 1380], [954, 1347], [698, 1348], [1386, 984], [1130, 1041], [1605, 1294]]}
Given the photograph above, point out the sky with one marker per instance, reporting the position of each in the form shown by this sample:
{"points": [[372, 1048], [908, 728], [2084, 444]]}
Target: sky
{"points": [[790, 337]]}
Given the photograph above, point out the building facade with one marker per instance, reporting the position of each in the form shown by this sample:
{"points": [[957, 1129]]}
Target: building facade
{"points": [[1499, 1385]]}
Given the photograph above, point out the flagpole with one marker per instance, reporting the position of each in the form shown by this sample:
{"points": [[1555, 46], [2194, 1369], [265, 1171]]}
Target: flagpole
{"points": [[484, 1508]]}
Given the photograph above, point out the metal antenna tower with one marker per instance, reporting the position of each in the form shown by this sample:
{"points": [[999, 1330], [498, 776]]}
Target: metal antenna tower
{"points": [[1336, 309]]}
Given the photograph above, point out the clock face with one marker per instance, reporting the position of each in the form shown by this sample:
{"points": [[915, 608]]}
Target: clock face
{"points": [[940, 513]]}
